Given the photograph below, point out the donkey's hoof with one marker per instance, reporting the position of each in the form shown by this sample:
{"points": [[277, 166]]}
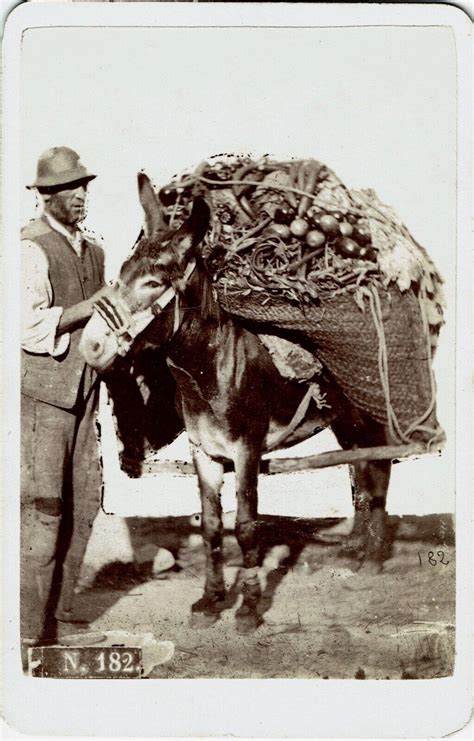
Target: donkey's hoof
{"points": [[247, 623], [205, 612], [370, 567], [209, 604], [203, 619]]}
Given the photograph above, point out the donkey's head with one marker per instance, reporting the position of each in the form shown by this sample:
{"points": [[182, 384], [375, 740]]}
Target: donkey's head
{"points": [[162, 255], [158, 267]]}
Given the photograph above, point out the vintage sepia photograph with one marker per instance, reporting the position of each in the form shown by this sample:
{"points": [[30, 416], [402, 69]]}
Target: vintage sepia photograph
{"points": [[236, 300]]}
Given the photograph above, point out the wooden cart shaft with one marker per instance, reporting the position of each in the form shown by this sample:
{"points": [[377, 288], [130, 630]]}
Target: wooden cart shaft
{"points": [[311, 462]]}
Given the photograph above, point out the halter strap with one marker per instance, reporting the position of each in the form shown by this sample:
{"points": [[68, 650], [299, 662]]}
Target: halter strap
{"points": [[177, 310], [163, 301], [127, 326]]}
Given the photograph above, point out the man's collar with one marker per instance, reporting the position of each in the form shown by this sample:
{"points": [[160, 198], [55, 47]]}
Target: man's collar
{"points": [[74, 238]]}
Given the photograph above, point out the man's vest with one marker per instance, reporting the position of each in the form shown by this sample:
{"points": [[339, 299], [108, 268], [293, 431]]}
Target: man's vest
{"points": [[56, 380]]}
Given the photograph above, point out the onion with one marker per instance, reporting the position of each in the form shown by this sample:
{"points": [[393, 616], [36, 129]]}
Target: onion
{"points": [[282, 230], [345, 228], [314, 238], [284, 215], [299, 227], [361, 234], [366, 253], [348, 248], [329, 225], [167, 196]]}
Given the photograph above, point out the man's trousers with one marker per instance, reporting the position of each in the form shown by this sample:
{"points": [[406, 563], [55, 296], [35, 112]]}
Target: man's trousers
{"points": [[60, 498]]}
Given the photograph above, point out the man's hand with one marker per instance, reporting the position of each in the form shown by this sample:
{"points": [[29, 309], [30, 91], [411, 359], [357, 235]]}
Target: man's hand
{"points": [[77, 315], [104, 292]]}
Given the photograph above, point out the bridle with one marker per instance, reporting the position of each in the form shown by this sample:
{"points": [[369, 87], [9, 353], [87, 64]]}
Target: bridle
{"points": [[127, 325]]}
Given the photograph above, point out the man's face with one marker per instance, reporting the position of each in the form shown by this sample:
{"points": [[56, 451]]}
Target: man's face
{"points": [[67, 204]]}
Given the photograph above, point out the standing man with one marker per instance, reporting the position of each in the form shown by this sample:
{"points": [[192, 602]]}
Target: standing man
{"points": [[62, 276]]}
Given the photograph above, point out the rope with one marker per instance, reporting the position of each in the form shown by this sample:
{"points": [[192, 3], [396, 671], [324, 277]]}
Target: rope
{"points": [[298, 417], [392, 419]]}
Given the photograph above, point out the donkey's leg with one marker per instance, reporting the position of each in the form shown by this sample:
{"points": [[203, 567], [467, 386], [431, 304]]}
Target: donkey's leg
{"points": [[370, 482], [246, 471], [354, 545], [210, 476]]}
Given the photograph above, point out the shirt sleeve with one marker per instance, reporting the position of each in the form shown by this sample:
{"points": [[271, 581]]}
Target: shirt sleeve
{"points": [[39, 321]]}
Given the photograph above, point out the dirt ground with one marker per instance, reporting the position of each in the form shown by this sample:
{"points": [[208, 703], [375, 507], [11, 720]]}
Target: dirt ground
{"points": [[322, 618]]}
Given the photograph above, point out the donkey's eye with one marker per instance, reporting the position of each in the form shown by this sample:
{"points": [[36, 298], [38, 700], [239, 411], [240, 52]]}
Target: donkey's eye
{"points": [[152, 284]]}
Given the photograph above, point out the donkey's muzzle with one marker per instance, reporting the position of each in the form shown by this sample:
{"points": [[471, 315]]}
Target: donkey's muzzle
{"points": [[98, 345]]}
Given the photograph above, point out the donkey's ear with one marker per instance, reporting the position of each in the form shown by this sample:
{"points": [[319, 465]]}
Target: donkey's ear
{"points": [[151, 205], [194, 229]]}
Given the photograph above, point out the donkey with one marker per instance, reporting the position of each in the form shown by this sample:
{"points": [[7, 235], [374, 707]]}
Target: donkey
{"points": [[234, 402]]}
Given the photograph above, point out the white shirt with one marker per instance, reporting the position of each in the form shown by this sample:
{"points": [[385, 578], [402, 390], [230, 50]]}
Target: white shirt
{"points": [[39, 321]]}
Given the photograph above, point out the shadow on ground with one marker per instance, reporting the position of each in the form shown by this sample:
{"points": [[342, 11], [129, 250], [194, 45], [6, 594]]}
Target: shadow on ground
{"points": [[180, 536], [321, 617]]}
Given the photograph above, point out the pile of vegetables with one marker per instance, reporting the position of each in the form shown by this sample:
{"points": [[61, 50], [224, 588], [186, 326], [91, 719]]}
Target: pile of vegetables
{"points": [[290, 245], [293, 229]]}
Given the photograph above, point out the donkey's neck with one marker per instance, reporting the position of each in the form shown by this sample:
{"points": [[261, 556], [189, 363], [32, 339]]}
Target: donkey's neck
{"points": [[198, 298], [203, 329]]}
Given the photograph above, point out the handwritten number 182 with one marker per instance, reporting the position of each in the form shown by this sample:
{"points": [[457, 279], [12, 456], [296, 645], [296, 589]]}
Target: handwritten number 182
{"points": [[432, 559]]}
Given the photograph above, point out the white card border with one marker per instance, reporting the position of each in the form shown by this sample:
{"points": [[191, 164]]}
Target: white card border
{"points": [[245, 708]]}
